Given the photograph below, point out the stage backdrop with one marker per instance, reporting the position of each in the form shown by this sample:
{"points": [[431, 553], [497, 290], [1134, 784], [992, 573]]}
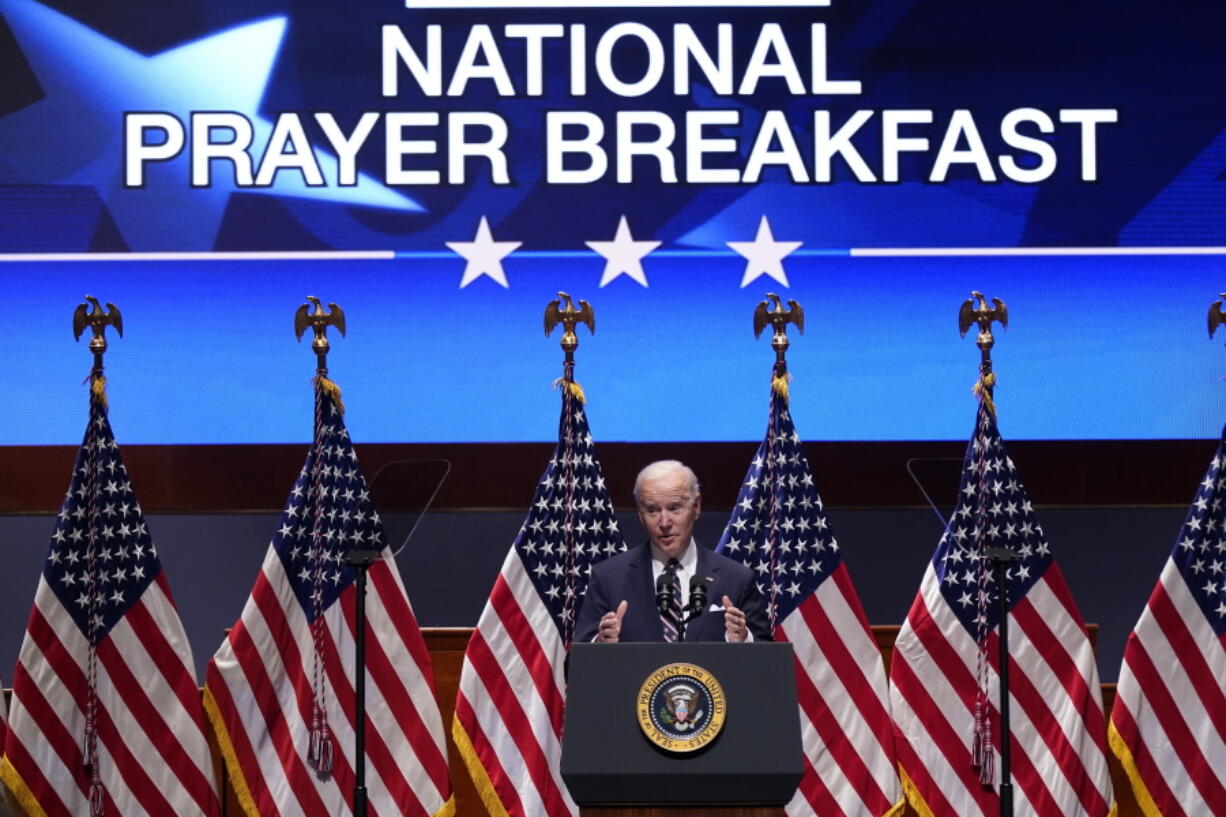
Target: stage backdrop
{"points": [[442, 168]]}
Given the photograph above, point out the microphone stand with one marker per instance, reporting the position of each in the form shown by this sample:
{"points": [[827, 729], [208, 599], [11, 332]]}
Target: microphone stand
{"points": [[697, 601], [1001, 557], [360, 561]]}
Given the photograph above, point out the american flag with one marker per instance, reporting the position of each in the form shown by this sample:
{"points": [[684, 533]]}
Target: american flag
{"points": [[106, 715], [1168, 723], [779, 529], [945, 662], [508, 715], [280, 689]]}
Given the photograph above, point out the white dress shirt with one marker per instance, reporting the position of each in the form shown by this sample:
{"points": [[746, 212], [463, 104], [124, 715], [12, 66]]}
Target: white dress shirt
{"points": [[689, 566]]}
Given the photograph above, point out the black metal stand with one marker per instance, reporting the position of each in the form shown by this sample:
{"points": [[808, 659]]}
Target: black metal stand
{"points": [[1001, 558], [360, 561]]}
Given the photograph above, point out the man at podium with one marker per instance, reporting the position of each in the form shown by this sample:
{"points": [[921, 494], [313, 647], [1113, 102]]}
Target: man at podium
{"points": [[669, 588]]}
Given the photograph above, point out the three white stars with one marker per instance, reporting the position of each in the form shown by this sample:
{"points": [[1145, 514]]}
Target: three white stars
{"points": [[623, 255]]}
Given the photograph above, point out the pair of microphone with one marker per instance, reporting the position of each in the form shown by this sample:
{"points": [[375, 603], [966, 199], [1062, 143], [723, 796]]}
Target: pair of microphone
{"points": [[666, 589]]}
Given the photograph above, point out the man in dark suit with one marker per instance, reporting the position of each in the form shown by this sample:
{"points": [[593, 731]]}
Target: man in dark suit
{"points": [[620, 603]]}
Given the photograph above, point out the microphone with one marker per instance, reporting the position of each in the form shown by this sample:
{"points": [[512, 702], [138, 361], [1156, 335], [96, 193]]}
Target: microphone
{"points": [[698, 595], [665, 591]]}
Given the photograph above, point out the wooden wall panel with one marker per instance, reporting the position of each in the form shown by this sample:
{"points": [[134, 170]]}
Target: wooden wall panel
{"points": [[210, 478]]}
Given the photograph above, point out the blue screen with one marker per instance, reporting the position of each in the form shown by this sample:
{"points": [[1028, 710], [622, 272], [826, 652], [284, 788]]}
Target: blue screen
{"points": [[441, 170]]}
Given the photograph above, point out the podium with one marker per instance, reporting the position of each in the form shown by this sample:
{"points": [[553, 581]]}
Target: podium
{"points": [[614, 769]]}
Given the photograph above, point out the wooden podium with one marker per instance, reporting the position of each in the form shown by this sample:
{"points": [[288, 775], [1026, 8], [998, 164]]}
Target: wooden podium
{"points": [[749, 769]]}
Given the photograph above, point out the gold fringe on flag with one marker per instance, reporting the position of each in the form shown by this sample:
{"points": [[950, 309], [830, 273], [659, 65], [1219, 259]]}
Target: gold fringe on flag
{"points": [[912, 795], [330, 389], [226, 748], [476, 770], [25, 798], [1119, 747]]}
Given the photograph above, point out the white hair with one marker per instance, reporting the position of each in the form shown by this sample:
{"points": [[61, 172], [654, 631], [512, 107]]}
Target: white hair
{"points": [[660, 468]]}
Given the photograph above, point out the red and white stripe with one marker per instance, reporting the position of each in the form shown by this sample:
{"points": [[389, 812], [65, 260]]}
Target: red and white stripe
{"points": [[258, 689], [508, 717], [1168, 722], [844, 706], [153, 757], [1059, 760]]}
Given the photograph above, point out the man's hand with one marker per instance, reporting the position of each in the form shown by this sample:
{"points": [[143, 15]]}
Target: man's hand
{"points": [[610, 625], [734, 622]]}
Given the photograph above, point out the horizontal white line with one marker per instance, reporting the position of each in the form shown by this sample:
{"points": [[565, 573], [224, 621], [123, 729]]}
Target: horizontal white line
{"points": [[592, 4], [389, 255], [869, 252], [306, 255]]}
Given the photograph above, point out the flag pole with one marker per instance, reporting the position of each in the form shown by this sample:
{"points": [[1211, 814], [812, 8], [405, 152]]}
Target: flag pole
{"points": [[319, 320], [779, 317], [999, 557], [97, 320], [360, 561], [569, 316]]}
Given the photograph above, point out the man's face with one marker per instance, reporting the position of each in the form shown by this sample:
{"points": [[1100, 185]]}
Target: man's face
{"points": [[667, 511]]}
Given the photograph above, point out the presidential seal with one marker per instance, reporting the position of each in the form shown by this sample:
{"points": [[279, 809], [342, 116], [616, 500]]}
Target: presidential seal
{"points": [[681, 707]]}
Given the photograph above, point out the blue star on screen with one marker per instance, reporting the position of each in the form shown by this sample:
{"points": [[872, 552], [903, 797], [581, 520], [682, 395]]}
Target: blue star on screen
{"points": [[74, 135]]}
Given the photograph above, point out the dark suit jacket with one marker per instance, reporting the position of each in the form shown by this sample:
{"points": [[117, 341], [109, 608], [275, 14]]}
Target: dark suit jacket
{"points": [[628, 576]]}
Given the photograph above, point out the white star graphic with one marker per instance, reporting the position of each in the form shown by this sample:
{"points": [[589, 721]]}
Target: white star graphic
{"points": [[623, 255], [89, 82], [764, 255], [484, 255]]}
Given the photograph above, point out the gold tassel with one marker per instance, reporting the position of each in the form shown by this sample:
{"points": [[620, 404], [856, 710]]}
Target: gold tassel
{"points": [[983, 390], [97, 387], [332, 390], [779, 385], [576, 391]]}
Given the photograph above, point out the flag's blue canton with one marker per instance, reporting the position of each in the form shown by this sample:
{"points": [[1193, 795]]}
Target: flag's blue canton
{"points": [[993, 501], [1200, 551], [100, 518], [329, 500], [570, 525], [778, 526]]}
